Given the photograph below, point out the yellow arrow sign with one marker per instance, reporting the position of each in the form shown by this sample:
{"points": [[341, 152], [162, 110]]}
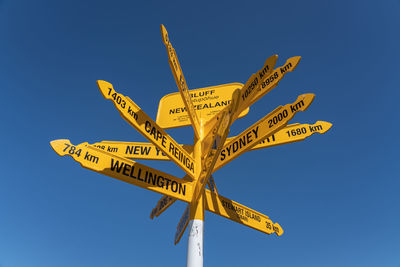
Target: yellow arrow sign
{"points": [[212, 144], [207, 103], [164, 203], [253, 83], [229, 209], [265, 127], [148, 128], [137, 150], [180, 81], [125, 170], [182, 225], [261, 83], [291, 133], [239, 213]]}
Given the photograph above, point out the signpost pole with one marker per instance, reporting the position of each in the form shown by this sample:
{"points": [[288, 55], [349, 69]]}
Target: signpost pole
{"points": [[196, 223]]}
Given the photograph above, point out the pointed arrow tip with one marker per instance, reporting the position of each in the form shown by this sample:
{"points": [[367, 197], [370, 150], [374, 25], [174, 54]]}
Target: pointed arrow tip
{"points": [[325, 126], [59, 145]]}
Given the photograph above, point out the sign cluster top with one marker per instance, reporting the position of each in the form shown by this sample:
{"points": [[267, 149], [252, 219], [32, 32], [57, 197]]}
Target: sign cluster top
{"points": [[210, 111]]}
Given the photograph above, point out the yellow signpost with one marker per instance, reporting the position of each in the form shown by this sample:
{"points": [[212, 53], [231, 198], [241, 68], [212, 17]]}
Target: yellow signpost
{"points": [[125, 170], [289, 134], [148, 128], [180, 81], [211, 111], [262, 129], [137, 150], [241, 214], [207, 103]]}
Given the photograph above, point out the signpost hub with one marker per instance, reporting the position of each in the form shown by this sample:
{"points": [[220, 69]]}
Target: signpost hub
{"points": [[211, 111]]}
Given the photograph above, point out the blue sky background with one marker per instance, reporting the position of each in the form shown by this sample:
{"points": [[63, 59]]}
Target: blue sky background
{"points": [[335, 195]]}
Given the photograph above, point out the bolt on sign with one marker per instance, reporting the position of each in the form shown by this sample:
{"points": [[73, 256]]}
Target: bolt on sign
{"points": [[211, 111]]}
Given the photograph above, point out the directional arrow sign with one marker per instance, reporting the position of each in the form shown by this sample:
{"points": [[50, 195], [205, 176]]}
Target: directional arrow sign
{"points": [[148, 128], [262, 82], [212, 145], [265, 127], [290, 134], [229, 209], [239, 213], [125, 170], [136, 150], [207, 101], [293, 133], [211, 152], [180, 81], [166, 201], [183, 223], [161, 206]]}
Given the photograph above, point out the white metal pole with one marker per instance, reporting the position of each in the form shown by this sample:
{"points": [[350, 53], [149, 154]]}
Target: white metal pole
{"points": [[195, 243]]}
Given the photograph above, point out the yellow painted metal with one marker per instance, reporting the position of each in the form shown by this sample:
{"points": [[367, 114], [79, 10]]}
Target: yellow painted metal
{"points": [[182, 225], [212, 185], [231, 210], [207, 102], [212, 143], [239, 213], [148, 128], [197, 205], [137, 150], [297, 132], [267, 126], [125, 170], [253, 83], [293, 133], [164, 203], [197, 208], [262, 82], [180, 81]]}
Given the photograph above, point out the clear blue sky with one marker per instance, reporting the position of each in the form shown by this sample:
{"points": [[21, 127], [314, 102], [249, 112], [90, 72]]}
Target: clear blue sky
{"points": [[335, 195]]}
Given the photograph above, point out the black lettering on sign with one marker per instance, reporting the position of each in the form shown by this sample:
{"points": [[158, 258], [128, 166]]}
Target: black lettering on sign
{"points": [[72, 150], [158, 152], [112, 149], [204, 93], [239, 143], [132, 113], [270, 79], [263, 71], [315, 128], [117, 98], [147, 177], [91, 158], [297, 106], [286, 68], [152, 130], [250, 88], [278, 118], [297, 131], [177, 110]]}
